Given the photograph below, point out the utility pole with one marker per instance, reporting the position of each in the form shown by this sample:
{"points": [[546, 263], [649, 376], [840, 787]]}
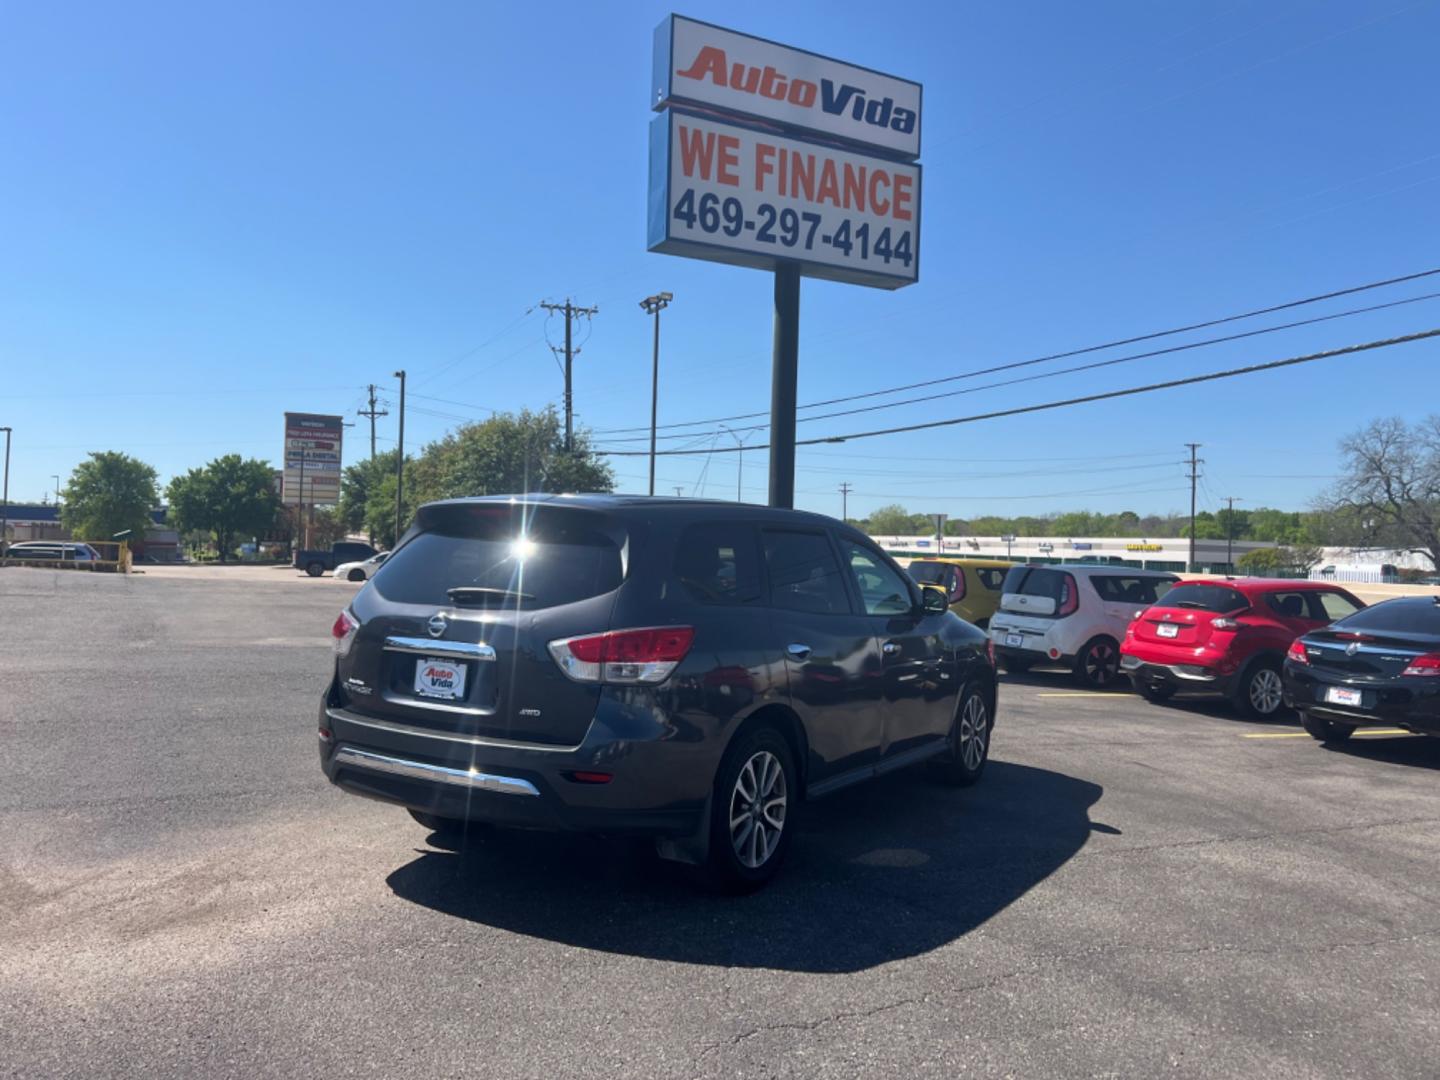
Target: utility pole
{"points": [[739, 462], [57, 488], [300, 504], [845, 490], [1194, 478], [5, 499], [400, 458], [679, 491], [570, 311], [653, 305], [372, 413], [1230, 533]]}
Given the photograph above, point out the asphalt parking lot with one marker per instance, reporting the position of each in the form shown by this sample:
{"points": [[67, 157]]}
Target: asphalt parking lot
{"points": [[1132, 890]]}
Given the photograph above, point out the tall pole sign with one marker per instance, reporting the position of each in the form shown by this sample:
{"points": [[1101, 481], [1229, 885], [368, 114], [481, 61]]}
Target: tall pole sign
{"points": [[778, 159]]}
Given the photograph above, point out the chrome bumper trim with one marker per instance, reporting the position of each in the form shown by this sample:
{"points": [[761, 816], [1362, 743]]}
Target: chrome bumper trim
{"points": [[460, 650], [348, 756], [449, 736]]}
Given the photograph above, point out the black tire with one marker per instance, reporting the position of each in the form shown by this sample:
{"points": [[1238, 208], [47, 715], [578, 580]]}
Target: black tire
{"points": [[1327, 731], [742, 859], [356, 575], [1098, 664], [1259, 692], [969, 749], [1156, 692], [1014, 666], [315, 569]]}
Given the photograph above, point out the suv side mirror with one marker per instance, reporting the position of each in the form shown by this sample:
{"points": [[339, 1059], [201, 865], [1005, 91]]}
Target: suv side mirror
{"points": [[933, 601]]}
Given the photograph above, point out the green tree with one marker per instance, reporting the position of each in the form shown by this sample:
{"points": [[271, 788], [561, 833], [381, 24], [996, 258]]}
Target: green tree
{"points": [[1264, 562], [511, 453], [230, 498], [359, 484], [892, 520], [108, 494]]}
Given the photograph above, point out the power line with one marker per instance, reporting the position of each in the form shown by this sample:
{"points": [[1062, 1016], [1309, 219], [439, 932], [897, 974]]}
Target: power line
{"points": [[1072, 352], [1229, 373], [1094, 365]]}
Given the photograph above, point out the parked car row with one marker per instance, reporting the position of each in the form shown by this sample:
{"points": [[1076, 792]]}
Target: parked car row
{"points": [[1263, 645]]}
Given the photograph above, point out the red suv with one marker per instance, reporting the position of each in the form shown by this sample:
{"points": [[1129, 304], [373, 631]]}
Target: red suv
{"points": [[1227, 637]]}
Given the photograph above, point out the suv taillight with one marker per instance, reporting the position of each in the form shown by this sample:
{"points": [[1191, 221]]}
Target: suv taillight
{"points": [[646, 656], [1297, 653], [344, 632], [1429, 664], [1069, 597]]}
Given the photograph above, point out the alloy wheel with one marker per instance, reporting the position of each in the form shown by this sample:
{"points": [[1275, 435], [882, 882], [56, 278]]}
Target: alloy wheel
{"points": [[757, 809], [974, 731], [1266, 691], [1102, 663]]}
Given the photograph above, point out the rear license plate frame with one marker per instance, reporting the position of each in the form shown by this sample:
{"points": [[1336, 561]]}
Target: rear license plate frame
{"points": [[1343, 695], [426, 664]]}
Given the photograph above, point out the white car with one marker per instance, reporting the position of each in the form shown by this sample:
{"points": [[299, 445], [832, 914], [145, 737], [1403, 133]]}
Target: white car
{"points": [[1073, 615], [360, 571]]}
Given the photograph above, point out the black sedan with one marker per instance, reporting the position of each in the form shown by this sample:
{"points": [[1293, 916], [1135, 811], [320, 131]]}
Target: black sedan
{"points": [[1380, 666]]}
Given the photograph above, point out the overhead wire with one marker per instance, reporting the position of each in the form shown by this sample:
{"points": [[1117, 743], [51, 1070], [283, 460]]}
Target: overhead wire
{"points": [[1136, 339], [1228, 373]]}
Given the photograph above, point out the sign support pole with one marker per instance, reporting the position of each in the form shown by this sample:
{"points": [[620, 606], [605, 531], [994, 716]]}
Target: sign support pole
{"points": [[784, 378]]}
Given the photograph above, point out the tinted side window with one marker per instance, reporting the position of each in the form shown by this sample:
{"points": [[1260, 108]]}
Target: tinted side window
{"points": [[927, 573], [718, 563], [881, 589], [1288, 605], [1331, 606], [1129, 590], [804, 575], [991, 577]]}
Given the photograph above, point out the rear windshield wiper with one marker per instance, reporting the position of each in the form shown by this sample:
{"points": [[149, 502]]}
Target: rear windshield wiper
{"points": [[468, 593], [1189, 604]]}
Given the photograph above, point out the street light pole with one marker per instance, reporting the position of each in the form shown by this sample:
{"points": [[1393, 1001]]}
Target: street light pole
{"points": [[740, 458], [653, 305], [5, 499], [400, 459]]}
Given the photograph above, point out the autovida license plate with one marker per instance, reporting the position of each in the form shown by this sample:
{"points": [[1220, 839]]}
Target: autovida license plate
{"points": [[1338, 695], [439, 679], [1167, 629], [1014, 640]]}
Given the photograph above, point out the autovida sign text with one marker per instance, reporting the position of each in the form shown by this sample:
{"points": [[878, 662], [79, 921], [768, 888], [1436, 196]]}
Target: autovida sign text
{"points": [[732, 194], [765, 155], [718, 69]]}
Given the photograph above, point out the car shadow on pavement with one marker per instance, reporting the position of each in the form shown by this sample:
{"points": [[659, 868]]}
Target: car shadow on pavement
{"points": [[879, 872], [1417, 751]]}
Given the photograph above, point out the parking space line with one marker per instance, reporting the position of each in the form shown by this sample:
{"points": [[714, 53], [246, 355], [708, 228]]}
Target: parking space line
{"points": [[1306, 734], [1080, 693], [1278, 735]]}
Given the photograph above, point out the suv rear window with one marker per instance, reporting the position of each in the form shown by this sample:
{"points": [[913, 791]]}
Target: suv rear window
{"points": [[563, 557], [1037, 581], [1217, 598]]}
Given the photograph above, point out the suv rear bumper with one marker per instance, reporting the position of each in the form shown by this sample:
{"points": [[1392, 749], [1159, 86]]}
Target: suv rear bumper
{"points": [[514, 784]]}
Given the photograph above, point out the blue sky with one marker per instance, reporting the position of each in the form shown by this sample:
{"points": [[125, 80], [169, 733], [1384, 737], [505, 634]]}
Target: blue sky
{"points": [[209, 215]]}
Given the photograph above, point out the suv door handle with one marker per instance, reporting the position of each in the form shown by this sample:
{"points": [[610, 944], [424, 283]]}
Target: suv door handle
{"points": [[890, 648], [798, 651]]}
